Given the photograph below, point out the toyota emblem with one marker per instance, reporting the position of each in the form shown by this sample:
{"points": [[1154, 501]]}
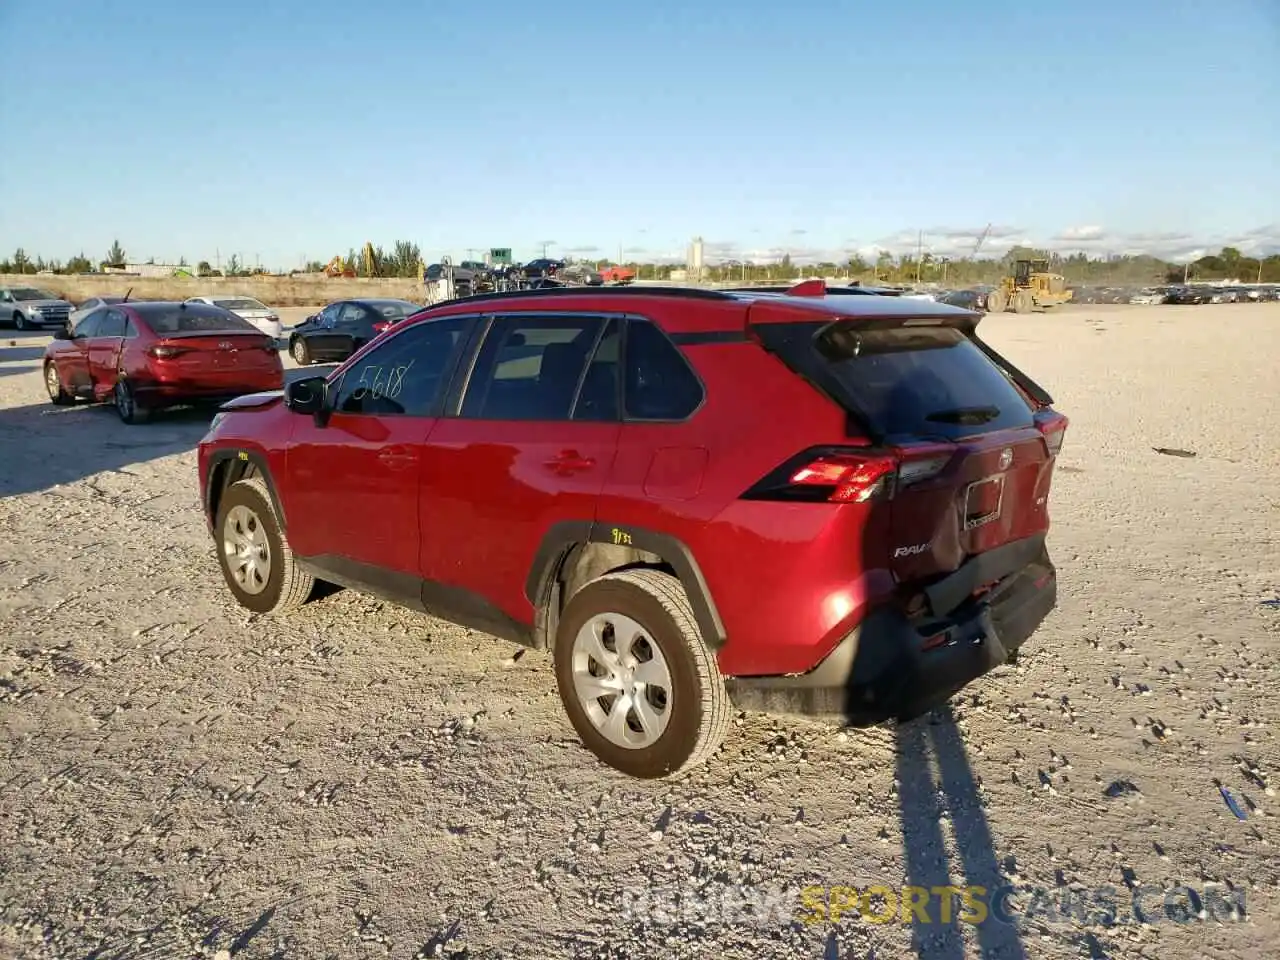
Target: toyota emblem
{"points": [[1006, 458]]}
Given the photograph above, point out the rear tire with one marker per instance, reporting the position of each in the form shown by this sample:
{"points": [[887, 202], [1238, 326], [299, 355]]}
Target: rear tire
{"points": [[53, 384], [631, 637], [254, 553], [126, 403]]}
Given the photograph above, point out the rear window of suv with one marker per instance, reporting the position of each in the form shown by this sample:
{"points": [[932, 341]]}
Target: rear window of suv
{"points": [[903, 382]]}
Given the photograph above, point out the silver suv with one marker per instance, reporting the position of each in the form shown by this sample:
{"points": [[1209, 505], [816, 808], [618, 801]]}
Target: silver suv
{"points": [[30, 308]]}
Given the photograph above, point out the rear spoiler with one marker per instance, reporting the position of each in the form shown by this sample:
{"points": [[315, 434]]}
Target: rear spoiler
{"points": [[1032, 389]]}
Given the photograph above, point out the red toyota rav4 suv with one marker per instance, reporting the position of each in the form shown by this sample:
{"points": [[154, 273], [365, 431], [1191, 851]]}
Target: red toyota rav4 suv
{"points": [[797, 502]]}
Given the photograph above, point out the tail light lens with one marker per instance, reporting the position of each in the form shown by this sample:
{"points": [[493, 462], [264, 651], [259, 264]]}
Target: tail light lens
{"points": [[842, 478], [165, 352], [845, 476], [381, 326], [1053, 428]]}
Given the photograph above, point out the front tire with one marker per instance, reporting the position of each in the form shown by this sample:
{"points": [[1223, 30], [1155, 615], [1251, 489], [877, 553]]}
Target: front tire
{"points": [[997, 301], [254, 553], [20, 320], [300, 352], [640, 687], [53, 384]]}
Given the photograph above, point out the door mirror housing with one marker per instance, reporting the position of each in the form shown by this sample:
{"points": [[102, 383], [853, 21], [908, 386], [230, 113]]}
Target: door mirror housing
{"points": [[63, 333], [310, 395]]}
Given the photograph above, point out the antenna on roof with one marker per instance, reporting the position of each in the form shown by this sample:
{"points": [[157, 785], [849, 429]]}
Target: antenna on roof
{"points": [[126, 295]]}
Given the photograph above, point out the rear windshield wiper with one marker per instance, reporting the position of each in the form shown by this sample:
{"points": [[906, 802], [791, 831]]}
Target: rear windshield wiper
{"points": [[966, 416]]}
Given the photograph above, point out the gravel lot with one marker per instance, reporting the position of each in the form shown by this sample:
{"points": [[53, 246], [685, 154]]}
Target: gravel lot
{"points": [[183, 779]]}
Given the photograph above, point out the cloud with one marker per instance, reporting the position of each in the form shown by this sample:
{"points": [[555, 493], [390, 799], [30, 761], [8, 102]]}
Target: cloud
{"points": [[1088, 234], [799, 232], [580, 251]]}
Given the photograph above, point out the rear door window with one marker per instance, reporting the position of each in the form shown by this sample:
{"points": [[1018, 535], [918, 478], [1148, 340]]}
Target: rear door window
{"points": [[903, 381], [529, 368]]}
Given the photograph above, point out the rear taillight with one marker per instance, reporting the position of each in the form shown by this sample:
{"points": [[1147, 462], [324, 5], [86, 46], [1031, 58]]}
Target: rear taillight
{"points": [[843, 476], [1053, 428], [381, 325], [165, 352]]}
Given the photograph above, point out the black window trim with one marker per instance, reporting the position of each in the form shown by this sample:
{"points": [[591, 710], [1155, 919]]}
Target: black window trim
{"points": [[623, 359], [609, 321], [333, 385]]}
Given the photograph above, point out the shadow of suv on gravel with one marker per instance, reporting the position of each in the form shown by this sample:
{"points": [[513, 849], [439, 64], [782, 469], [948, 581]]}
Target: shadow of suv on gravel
{"points": [[695, 499]]}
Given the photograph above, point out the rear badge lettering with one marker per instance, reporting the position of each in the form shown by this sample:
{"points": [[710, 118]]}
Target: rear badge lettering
{"points": [[911, 551]]}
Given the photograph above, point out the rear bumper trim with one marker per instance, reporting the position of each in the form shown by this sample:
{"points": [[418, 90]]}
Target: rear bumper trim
{"points": [[945, 595], [890, 667]]}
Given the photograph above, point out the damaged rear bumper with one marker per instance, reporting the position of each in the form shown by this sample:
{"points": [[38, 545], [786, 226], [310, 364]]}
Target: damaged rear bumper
{"points": [[893, 667]]}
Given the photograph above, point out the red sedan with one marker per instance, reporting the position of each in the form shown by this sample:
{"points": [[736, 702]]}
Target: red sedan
{"points": [[146, 356]]}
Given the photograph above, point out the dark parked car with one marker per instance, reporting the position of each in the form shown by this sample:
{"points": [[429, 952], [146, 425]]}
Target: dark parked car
{"points": [[565, 468], [343, 327], [969, 299], [543, 267], [1186, 295]]}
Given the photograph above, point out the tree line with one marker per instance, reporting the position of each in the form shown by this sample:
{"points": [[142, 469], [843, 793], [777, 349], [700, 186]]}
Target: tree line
{"points": [[403, 259]]}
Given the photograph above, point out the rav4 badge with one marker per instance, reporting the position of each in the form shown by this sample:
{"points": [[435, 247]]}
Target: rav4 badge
{"points": [[911, 551]]}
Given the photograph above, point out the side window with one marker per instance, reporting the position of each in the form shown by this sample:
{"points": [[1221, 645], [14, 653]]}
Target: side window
{"points": [[598, 398], [528, 368], [351, 315], [111, 325], [329, 316], [660, 384], [88, 327], [405, 376], [130, 327]]}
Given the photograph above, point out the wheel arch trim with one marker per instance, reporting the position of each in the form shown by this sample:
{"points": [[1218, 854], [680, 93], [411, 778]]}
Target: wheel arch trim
{"points": [[562, 537], [229, 457]]}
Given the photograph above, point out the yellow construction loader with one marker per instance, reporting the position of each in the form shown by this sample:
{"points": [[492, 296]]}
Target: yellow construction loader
{"points": [[1032, 286]]}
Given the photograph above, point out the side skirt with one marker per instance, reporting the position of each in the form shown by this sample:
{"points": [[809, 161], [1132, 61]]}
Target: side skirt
{"points": [[445, 602]]}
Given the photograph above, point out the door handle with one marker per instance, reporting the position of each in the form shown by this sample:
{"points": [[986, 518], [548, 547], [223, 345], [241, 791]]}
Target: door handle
{"points": [[569, 461]]}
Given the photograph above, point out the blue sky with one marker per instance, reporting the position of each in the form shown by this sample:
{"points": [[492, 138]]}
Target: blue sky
{"points": [[283, 131]]}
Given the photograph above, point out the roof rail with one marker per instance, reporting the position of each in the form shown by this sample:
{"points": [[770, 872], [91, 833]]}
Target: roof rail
{"points": [[783, 291], [630, 290]]}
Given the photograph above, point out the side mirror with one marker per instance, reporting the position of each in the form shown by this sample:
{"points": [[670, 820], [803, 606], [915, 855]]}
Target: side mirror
{"points": [[63, 333], [308, 396]]}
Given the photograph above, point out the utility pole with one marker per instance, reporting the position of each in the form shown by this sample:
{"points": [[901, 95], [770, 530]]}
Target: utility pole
{"points": [[1186, 272], [919, 256]]}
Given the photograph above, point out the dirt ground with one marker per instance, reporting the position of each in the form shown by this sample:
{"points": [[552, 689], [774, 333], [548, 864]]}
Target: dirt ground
{"points": [[183, 779]]}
